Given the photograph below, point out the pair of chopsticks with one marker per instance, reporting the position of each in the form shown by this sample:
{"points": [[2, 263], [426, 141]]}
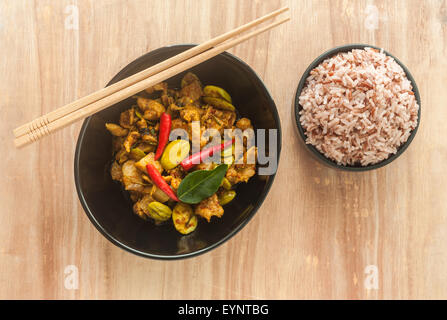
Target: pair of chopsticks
{"points": [[99, 100]]}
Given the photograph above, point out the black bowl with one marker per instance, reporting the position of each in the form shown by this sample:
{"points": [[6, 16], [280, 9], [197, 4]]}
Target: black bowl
{"points": [[314, 151], [108, 206]]}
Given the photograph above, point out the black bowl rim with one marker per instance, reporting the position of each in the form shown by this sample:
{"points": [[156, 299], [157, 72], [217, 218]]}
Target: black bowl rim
{"points": [[318, 154], [121, 245]]}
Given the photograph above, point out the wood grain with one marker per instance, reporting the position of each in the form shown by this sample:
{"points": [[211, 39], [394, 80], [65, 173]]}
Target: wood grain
{"points": [[318, 228]]}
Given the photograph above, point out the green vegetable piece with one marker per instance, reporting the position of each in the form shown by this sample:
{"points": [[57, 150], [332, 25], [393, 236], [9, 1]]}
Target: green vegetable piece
{"points": [[201, 184], [159, 195], [227, 197], [216, 92], [174, 153], [137, 153], [226, 184], [158, 211], [219, 103], [139, 115], [184, 219]]}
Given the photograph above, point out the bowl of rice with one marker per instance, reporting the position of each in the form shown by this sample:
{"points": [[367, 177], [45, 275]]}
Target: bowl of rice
{"points": [[357, 107]]}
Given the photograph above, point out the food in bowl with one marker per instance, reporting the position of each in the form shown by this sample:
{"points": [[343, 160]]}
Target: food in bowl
{"points": [[164, 181], [358, 107]]}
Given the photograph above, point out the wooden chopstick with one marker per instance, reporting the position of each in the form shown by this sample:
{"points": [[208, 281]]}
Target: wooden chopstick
{"points": [[135, 88], [100, 94]]}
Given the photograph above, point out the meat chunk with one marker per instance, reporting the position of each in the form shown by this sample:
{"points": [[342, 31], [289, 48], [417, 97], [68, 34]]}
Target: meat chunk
{"points": [[132, 179], [162, 86], [174, 177], [218, 119], [192, 91], [127, 118], [205, 166], [167, 100], [116, 172], [209, 207], [152, 109], [122, 156], [149, 136], [131, 139], [146, 147], [117, 143], [244, 123], [191, 113], [140, 208], [240, 172], [116, 130], [179, 124], [173, 181], [188, 78], [141, 124]]}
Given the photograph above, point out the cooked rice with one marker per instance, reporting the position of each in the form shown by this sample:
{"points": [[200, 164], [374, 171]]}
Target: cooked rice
{"points": [[358, 107]]}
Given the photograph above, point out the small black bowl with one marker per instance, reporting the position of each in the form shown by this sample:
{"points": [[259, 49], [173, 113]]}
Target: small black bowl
{"points": [[108, 206], [314, 151]]}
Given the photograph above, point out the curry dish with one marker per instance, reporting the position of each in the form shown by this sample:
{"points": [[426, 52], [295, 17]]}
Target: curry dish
{"points": [[143, 161]]}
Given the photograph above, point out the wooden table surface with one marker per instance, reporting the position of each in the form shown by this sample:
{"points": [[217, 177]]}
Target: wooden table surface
{"points": [[319, 234]]}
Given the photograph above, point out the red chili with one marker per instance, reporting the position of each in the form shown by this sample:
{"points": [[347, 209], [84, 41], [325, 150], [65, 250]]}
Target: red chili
{"points": [[163, 135], [160, 182], [199, 157]]}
